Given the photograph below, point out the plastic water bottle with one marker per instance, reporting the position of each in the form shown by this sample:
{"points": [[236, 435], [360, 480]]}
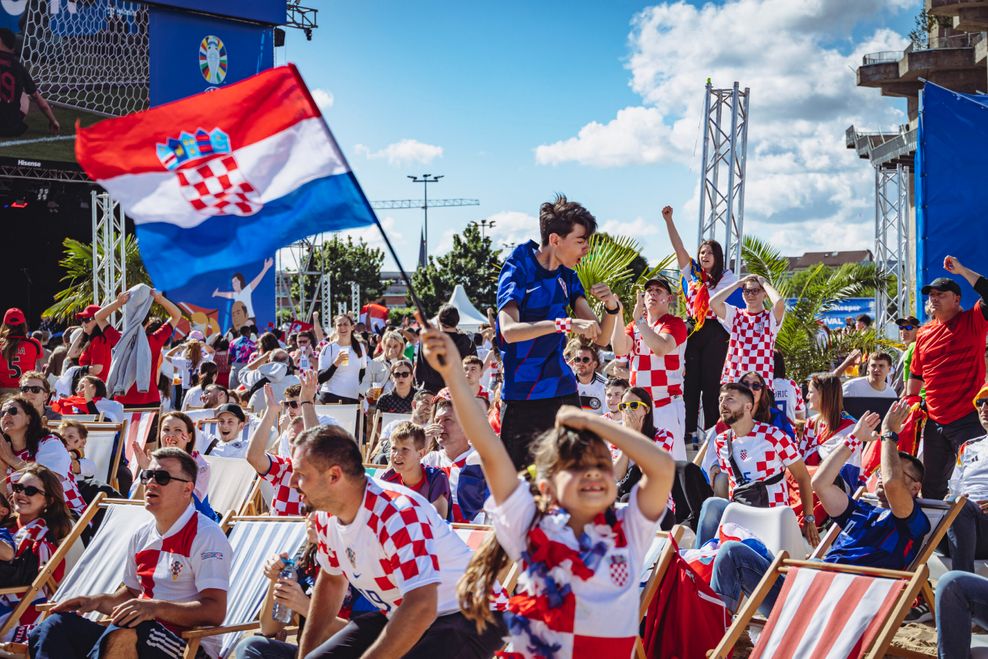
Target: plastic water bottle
{"points": [[280, 612], [303, 362]]}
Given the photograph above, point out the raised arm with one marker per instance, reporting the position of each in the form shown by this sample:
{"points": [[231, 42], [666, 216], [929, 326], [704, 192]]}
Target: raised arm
{"points": [[307, 398], [317, 328], [499, 471], [174, 313], [833, 498], [778, 302], [718, 302], [683, 257], [102, 316], [260, 276], [657, 466], [897, 489], [977, 282], [256, 449]]}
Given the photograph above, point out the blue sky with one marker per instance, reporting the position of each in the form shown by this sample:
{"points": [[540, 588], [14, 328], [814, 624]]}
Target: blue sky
{"points": [[514, 101]]}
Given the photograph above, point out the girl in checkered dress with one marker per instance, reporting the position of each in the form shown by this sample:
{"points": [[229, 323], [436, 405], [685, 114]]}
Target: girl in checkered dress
{"points": [[581, 554]]}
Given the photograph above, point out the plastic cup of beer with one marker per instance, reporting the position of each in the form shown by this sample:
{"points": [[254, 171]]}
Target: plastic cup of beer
{"points": [[345, 355], [374, 393]]}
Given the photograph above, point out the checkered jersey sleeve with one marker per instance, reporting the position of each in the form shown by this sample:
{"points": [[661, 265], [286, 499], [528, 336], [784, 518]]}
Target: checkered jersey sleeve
{"points": [[325, 554], [664, 439], [800, 403], [409, 552], [786, 450], [512, 519], [278, 467]]}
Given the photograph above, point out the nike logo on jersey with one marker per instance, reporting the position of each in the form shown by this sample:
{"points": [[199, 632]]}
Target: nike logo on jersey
{"points": [[531, 290]]}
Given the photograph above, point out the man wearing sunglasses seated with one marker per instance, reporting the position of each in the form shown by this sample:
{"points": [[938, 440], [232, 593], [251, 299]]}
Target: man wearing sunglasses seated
{"points": [[178, 579]]}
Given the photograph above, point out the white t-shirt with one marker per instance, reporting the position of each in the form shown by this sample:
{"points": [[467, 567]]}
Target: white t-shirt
{"points": [[244, 295], [198, 558], [346, 380], [235, 449], [593, 395], [395, 544], [789, 398], [861, 388], [971, 473]]}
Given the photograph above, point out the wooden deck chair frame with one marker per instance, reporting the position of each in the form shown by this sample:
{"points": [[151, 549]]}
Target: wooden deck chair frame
{"points": [[781, 565], [930, 542], [509, 575], [652, 585], [46, 576], [367, 450], [122, 429], [193, 637]]}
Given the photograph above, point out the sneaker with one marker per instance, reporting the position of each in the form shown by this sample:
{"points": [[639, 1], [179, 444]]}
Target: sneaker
{"points": [[920, 613]]}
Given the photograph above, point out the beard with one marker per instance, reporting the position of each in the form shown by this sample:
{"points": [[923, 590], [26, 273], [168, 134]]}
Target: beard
{"points": [[730, 417]]}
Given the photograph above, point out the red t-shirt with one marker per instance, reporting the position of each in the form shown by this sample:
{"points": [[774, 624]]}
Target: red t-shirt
{"points": [[26, 357], [99, 350], [157, 340], [950, 359]]}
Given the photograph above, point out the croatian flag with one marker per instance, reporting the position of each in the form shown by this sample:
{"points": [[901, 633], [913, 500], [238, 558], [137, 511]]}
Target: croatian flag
{"points": [[225, 178]]}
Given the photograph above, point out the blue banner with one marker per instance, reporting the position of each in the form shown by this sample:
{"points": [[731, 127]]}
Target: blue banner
{"points": [[838, 314], [191, 53], [951, 197], [221, 300]]}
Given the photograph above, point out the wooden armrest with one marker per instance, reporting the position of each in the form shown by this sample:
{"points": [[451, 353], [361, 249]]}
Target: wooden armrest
{"points": [[201, 632], [14, 590]]}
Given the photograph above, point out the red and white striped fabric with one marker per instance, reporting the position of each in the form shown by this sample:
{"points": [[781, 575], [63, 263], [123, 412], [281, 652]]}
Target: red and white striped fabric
{"points": [[819, 441], [826, 614], [752, 344], [138, 430]]}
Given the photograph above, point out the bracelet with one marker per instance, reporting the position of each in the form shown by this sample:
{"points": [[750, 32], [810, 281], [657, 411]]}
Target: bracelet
{"points": [[852, 443], [563, 325], [614, 311]]}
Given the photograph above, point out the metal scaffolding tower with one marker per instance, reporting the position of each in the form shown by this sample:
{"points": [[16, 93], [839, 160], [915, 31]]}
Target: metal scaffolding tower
{"points": [[892, 244], [109, 250], [725, 143]]}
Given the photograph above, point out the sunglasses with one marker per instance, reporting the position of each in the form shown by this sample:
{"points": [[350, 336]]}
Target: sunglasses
{"points": [[981, 402], [12, 411], [581, 360], [31, 389], [160, 476], [633, 405], [290, 403], [907, 327], [29, 490], [402, 374], [754, 386]]}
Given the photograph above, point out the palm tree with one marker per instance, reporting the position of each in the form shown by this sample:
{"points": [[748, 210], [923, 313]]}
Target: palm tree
{"points": [[612, 260], [78, 265], [815, 290]]}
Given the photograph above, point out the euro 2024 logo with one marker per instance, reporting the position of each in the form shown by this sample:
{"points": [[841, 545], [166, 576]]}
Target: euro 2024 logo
{"points": [[208, 174]]}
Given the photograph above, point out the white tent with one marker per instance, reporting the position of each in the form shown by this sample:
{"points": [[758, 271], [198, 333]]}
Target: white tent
{"points": [[470, 318]]}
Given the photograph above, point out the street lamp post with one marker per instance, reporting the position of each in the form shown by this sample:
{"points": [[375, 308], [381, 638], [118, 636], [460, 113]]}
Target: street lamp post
{"points": [[484, 224], [425, 180]]}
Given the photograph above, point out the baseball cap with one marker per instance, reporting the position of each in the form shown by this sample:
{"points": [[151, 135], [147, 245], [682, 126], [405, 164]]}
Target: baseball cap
{"points": [[942, 284], [233, 409], [14, 316], [908, 320], [660, 281], [88, 312]]}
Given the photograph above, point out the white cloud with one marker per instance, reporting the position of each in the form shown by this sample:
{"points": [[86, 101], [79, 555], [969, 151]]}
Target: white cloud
{"points": [[403, 152], [799, 64], [636, 228], [323, 99], [513, 228]]}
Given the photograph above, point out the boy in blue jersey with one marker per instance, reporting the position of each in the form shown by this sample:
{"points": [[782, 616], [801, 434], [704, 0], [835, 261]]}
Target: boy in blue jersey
{"points": [[540, 300], [889, 535]]}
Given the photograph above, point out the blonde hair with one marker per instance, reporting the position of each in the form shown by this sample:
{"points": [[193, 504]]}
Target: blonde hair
{"points": [[555, 450]]}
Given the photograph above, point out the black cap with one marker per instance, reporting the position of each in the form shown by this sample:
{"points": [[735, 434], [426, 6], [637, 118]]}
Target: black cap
{"points": [[908, 320], [233, 409], [942, 284], [660, 281]]}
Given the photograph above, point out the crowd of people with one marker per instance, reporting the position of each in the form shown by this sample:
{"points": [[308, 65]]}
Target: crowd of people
{"points": [[572, 434]]}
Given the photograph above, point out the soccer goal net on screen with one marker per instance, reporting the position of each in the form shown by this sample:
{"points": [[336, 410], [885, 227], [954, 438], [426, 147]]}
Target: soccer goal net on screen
{"points": [[90, 55]]}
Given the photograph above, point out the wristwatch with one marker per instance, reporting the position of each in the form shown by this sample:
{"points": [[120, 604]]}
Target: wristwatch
{"points": [[809, 519], [612, 311], [890, 436]]}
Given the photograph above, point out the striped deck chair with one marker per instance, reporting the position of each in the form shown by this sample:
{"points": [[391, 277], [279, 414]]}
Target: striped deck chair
{"points": [[827, 610], [231, 482], [140, 427], [375, 471]]}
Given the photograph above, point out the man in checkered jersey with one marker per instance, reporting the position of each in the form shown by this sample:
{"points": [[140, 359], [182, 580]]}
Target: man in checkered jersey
{"points": [[655, 341], [753, 329], [763, 453], [391, 545], [178, 579]]}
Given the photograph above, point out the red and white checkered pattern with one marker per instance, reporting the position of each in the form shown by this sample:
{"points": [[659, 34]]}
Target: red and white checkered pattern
{"points": [[218, 187], [819, 441], [752, 344], [285, 500], [396, 543], [661, 376], [664, 439], [761, 454]]}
